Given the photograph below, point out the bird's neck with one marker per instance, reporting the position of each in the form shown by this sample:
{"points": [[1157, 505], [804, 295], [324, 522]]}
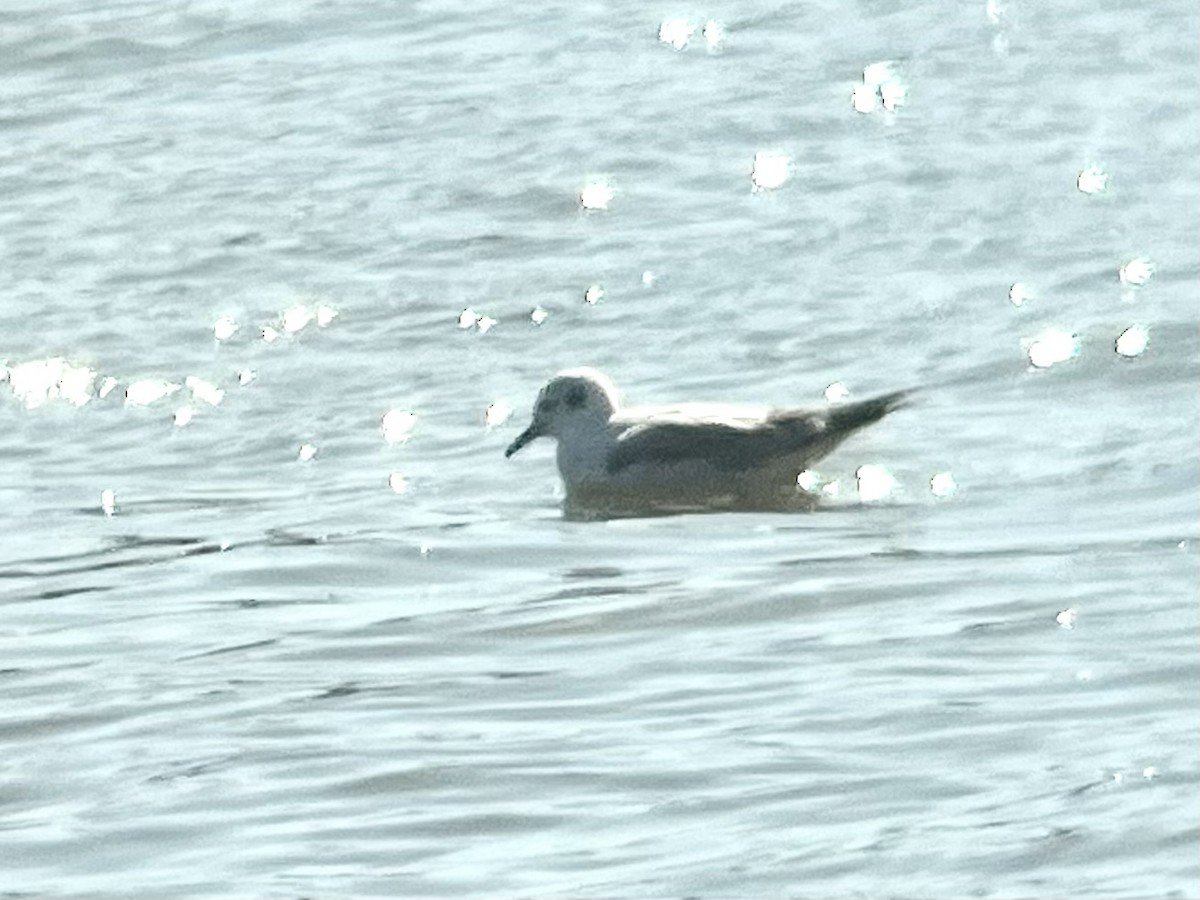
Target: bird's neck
{"points": [[583, 450]]}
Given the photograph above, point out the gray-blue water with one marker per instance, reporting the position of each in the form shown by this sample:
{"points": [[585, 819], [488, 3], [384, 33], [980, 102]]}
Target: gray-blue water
{"points": [[395, 668]]}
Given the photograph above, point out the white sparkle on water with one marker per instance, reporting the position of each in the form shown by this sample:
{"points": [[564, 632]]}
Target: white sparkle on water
{"points": [[469, 318], [397, 425], [874, 482], [1092, 180], [204, 391], [397, 482], [881, 83], [296, 318], [1051, 347], [893, 94], [676, 32], [225, 328], [538, 316], [497, 413], [1019, 294], [108, 501], [1133, 341], [836, 392], [809, 481], [714, 34], [943, 485], [325, 316], [596, 194], [41, 380], [1066, 618], [593, 294], [149, 390], [75, 383], [863, 98], [307, 452], [183, 416], [1136, 272], [770, 170]]}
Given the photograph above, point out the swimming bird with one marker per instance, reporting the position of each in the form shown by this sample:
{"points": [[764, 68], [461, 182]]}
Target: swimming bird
{"points": [[692, 456]]}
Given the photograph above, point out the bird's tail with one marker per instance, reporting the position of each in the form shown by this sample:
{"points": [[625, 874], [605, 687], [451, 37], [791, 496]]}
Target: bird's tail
{"points": [[844, 418]]}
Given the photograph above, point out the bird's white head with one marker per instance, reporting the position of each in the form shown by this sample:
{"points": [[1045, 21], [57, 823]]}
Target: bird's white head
{"points": [[574, 399]]}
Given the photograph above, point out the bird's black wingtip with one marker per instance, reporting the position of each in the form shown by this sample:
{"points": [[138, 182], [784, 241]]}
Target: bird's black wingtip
{"points": [[897, 399], [857, 414]]}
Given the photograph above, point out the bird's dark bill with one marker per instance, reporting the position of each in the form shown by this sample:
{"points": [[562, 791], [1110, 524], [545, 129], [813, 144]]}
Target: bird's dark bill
{"points": [[522, 439]]}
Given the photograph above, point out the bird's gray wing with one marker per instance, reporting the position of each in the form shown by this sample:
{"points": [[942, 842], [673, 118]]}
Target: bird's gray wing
{"points": [[727, 446], [734, 444]]}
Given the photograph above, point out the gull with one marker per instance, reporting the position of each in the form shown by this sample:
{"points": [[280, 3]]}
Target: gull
{"points": [[688, 457]]}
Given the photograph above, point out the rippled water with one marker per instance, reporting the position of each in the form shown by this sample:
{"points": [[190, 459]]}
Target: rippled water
{"points": [[253, 643]]}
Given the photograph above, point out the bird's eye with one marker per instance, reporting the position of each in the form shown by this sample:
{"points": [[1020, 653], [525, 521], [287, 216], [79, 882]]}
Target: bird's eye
{"points": [[576, 397]]}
